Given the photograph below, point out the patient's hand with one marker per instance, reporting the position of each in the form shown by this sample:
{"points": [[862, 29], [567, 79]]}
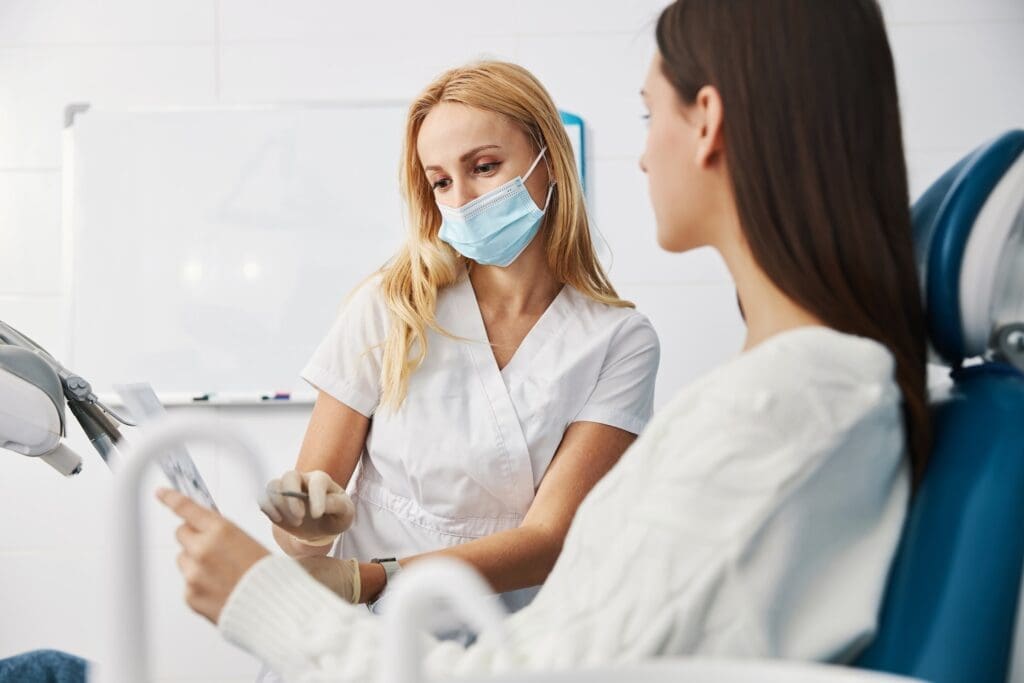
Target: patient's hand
{"points": [[214, 554], [327, 512]]}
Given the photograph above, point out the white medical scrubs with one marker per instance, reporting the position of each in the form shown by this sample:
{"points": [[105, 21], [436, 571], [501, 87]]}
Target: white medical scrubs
{"points": [[464, 454]]}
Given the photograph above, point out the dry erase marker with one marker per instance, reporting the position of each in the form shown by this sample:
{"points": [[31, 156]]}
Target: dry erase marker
{"points": [[276, 396]]}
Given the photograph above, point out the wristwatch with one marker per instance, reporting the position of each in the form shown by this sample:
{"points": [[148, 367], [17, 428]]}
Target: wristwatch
{"points": [[391, 568]]}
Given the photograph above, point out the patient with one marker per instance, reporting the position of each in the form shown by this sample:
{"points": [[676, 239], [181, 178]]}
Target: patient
{"points": [[758, 513]]}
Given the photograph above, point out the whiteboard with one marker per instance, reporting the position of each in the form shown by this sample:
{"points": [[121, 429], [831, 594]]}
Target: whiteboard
{"points": [[211, 248]]}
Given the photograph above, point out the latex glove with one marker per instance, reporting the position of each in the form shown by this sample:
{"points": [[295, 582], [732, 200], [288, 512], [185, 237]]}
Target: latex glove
{"points": [[341, 576], [316, 521]]}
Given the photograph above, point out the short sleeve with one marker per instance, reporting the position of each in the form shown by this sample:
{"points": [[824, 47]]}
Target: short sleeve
{"points": [[624, 394], [347, 363]]}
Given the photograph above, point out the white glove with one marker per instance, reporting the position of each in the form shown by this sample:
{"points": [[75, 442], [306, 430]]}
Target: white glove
{"points": [[341, 576], [315, 518]]}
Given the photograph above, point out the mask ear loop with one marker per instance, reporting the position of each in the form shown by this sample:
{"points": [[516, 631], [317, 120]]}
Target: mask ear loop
{"points": [[551, 183], [547, 202], [537, 161]]}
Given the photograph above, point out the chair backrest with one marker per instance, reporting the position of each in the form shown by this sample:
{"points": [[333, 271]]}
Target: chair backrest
{"points": [[951, 602]]}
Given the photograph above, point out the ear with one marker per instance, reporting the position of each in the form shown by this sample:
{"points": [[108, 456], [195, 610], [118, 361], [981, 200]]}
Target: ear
{"points": [[711, 142]]}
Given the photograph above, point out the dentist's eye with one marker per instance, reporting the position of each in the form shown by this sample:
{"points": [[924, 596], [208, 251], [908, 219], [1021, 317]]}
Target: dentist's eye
{"points": [[441, 184], [486, 168]]}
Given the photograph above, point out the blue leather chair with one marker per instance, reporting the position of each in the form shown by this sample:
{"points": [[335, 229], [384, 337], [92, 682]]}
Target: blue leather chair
{"points": [[951, 602]]}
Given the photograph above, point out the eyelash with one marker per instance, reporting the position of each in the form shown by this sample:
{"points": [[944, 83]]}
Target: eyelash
{"points": [[492, 166]]}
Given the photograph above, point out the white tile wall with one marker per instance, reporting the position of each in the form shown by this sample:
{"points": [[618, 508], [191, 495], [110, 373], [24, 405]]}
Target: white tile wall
{"points": [[37, 81], [971, 88], [580, 77], [960, 66], [40, 316], [50, 22], [330, 21], [622, 214], [354, 67], [30, 206], [952, 11]]}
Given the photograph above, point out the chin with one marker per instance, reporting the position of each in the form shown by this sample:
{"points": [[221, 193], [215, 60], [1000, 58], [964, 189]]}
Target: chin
{"points": [[673, 242]]}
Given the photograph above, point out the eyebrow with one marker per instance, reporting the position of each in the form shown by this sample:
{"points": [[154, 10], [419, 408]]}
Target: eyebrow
{"points": [[467, 155]]}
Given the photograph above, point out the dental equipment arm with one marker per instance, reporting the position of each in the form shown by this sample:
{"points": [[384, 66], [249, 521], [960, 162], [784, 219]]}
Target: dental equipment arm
{"points": [[33, 390]]}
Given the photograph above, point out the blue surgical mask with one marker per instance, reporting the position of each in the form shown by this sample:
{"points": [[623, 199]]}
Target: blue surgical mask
{"points": [[496, 227]]}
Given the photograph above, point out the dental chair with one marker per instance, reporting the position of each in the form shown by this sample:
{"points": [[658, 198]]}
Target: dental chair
{"points": [[952, 597]]}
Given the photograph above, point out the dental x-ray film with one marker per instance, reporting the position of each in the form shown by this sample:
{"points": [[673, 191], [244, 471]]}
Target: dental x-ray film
{"points": [[177, 464]]}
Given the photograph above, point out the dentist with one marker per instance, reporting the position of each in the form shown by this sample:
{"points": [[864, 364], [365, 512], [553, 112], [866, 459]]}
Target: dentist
{"points": [[474, 390]]}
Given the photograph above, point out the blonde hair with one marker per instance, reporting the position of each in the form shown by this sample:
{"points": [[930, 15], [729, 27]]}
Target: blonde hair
{"points": [[425, 265]]}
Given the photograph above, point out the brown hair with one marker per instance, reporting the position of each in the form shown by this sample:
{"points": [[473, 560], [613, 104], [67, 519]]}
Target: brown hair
{"points": [[812, 133]]}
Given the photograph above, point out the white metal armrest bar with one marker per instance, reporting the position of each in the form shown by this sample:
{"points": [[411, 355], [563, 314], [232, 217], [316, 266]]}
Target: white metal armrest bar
{"points": [[128, 658]]}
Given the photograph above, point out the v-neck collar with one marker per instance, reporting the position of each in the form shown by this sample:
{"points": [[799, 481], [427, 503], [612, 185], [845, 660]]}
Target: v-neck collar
{"points": [[461, 316], [549, 322]]}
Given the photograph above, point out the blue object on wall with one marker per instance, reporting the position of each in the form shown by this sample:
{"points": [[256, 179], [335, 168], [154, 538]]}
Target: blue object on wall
{"points": [[577, 135]]}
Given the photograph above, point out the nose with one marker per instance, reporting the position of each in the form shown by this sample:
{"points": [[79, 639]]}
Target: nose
{"points": [[643, 165], [463, 194]]}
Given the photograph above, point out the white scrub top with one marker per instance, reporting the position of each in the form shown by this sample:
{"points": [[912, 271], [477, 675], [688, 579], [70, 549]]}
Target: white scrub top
{"points": [[464, 454]]}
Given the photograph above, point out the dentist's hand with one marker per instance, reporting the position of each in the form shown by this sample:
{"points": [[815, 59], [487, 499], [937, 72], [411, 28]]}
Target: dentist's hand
{"points": [[341, 576], [214, 554], [317, 521]]}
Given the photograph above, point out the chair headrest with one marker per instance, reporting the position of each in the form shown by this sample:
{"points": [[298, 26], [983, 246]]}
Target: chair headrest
{"points": [[969, 238]]}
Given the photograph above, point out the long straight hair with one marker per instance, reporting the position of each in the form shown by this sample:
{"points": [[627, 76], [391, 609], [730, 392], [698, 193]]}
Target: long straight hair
{"points": [[812, 134], [425, 265]]}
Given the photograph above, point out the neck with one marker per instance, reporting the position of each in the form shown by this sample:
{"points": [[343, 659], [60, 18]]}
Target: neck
{"points": [[527, 285], [767, 309]]}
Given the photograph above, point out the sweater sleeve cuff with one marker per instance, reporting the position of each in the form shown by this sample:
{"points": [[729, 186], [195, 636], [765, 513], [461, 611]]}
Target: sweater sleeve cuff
{"points": [[278, 612]]}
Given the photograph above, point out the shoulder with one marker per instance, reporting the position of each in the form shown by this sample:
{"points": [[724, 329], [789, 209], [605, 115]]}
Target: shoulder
{"points": [[367, 294], [362, 315], [816, 363], [782, 410], [623, 325], [366, 301], [805, 383]]}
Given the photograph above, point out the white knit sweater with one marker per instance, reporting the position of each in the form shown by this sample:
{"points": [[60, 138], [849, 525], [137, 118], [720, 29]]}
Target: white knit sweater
{"points": [[756, 516]]}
